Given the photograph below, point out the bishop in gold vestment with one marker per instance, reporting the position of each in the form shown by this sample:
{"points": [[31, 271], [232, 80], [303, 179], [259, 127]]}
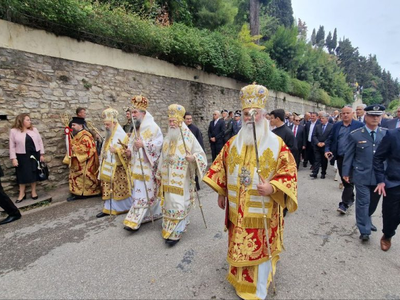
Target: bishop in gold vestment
{"points": [[179, 162], [242, 188], [114, 167], [84, 163]]}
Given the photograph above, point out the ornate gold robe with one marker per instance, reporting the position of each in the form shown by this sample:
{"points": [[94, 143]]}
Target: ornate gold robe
{"points": [[233, 174], [84, 165], [177, 178], [115, 173]]}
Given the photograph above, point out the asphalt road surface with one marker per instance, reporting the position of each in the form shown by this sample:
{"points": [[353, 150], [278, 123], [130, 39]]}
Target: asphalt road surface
{"points": [[63, 251]]}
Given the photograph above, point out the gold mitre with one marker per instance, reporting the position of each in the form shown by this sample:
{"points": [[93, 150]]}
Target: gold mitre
{"points": [[176, 111], [140, 102], [253, 96], [110, 114]]}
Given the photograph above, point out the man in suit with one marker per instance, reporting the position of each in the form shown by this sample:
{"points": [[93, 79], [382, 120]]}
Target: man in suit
{"points": [[358, 167], [310, 125], [216, 131], [335, 148], [321, 133], [283, 131], [7, 205], [389, 184], [395, 122], [360, 112], [300, 138]]}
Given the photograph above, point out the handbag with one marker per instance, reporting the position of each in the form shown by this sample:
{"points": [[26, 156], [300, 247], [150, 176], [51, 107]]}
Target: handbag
{"points": [[43, 170]]}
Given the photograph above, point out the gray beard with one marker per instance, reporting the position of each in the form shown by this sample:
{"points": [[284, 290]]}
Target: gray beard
{"points": [[172, 135], [108, 134], [247, 132]]}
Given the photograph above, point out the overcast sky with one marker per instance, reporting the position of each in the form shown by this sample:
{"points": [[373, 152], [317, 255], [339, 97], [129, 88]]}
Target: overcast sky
{"points": [[372, 26]]}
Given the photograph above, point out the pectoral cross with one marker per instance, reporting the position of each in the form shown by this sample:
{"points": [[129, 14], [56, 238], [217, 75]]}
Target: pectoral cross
{"points": [[245, 178]]}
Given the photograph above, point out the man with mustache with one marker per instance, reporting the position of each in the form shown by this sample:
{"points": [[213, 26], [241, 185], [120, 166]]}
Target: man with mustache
{"points": [[144, 151], [242, 189], [84, 163], [114, 167], [179, 162]]}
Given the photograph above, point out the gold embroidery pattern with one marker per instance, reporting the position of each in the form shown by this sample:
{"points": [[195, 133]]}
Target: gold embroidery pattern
{"points": [[181, 176], [181, 148], [176, 182], [147, 134], [233, 159], [173, 190], [267, 163]]}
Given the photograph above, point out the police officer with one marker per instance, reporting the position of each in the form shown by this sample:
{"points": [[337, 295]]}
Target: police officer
{"points": [[358, 167]]}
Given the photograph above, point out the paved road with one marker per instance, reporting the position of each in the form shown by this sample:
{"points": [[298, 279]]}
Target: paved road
{"points": [[63, 251]]}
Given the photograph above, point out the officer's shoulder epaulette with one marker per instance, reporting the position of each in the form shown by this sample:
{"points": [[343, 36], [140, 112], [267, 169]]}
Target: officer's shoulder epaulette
{"points": [[355, 130]]}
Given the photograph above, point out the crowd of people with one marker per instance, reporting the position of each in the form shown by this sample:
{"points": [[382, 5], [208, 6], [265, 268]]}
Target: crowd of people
{"points": [[255, 158]]}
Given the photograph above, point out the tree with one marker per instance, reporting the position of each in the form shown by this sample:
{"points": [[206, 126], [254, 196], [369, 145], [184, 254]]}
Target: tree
{"points": [[313, 39], [212, 14], [328, 42], [283, 11], [334, 40], [320, 37], [254, 17], [302, 29]]}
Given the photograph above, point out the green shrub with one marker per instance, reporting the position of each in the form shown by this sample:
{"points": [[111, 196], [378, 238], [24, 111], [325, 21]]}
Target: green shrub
{"points": [[337, 102], [320, 96], [300, 88]]}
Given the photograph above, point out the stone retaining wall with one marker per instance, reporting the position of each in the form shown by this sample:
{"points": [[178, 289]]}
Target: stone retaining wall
{"points": [[36, 79]]}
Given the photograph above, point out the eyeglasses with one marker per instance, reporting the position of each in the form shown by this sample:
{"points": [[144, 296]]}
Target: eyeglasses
{"points": [[297, 120]]}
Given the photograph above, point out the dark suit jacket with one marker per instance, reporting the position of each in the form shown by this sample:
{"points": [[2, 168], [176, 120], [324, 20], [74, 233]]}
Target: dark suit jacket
{"points": [[197, 133], [308, 126], [287, 136], [300, 137], [391, 124], [388, 150], [318, 135], [217, 131], [358, 159], [331, 143]]}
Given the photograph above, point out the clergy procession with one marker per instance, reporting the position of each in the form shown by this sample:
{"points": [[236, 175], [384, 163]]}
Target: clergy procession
{"points": [[146, 176]]}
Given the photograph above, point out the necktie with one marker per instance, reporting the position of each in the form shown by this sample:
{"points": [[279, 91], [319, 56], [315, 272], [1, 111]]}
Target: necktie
{"points": [[323, 128], [373, 135], [359, 119], [295, 130]]}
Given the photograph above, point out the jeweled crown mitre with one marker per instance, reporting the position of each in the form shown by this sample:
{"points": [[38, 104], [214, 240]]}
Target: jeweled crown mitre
{"points": [[140, 102], [254, 96], [110, 114], [176, 111]]}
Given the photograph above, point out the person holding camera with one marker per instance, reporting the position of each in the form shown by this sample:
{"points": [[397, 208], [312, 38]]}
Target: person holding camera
{"points": [[26, 148]]}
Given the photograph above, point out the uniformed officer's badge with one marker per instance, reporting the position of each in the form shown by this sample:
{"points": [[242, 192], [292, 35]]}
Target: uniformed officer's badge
{"points": [[245, 178], [376, 108]]}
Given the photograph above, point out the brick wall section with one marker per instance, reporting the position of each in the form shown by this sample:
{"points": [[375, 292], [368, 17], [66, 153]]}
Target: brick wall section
{"points": [[46, 87]]}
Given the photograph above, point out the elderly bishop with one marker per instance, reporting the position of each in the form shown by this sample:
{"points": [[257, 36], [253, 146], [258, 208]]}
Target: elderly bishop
{"points": [[144, 149], [114, 167], [251, 190], [181, 159]]}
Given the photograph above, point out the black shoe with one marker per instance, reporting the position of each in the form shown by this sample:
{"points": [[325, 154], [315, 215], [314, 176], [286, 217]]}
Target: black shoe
{"points": [[131, 229], [72, 198], [364, 237], [171, 242], [322, 176], [100, 215], [313, 176], [373, 228], [35, 198], [10, 219], [20, 200]]}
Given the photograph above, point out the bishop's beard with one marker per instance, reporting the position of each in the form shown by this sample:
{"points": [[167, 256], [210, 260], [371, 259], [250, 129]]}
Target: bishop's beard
{"points": [[108, 134], [247, 132], [172, 135]]}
